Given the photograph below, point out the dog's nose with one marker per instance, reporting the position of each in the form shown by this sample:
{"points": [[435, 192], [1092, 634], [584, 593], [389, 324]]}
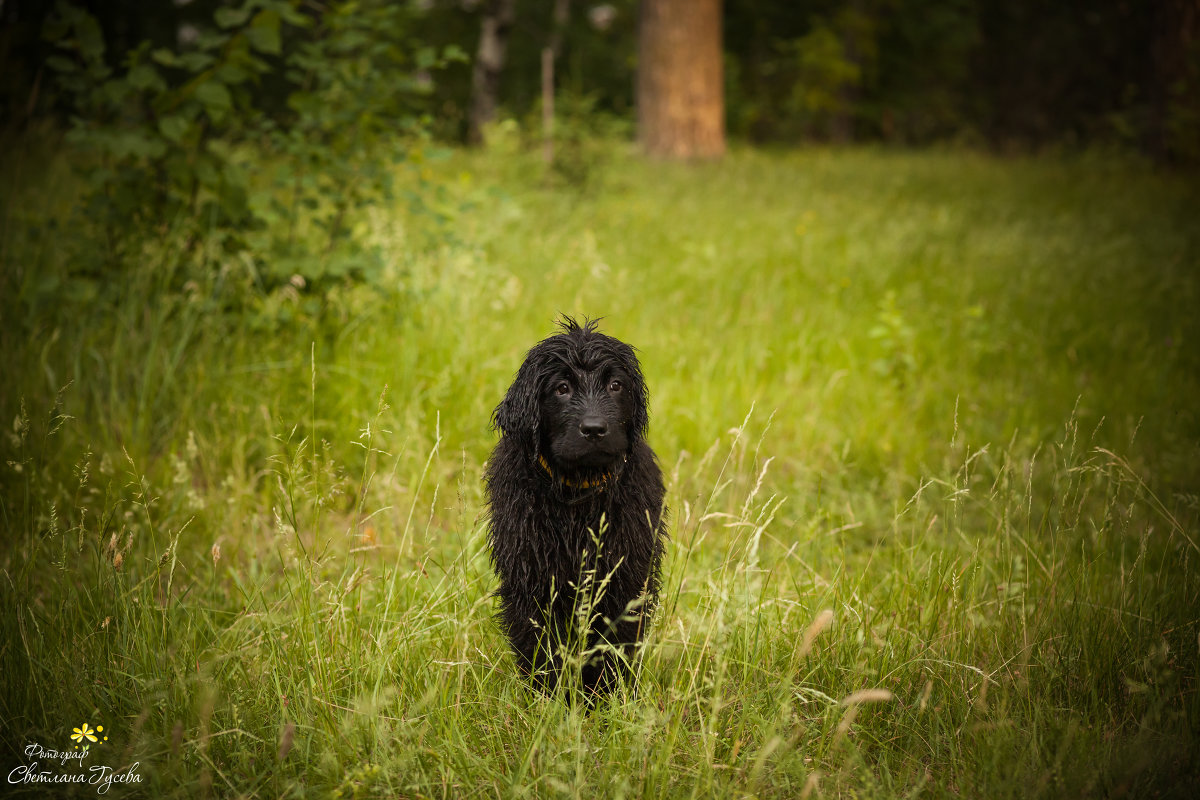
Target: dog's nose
{"points": [[593, 427]]}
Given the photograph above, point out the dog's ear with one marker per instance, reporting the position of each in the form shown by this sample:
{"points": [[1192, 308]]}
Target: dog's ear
{"points": [[520, 411], [639, 421]]}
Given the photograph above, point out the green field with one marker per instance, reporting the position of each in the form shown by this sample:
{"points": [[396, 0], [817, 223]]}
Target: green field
{"points": [[950, 399]]}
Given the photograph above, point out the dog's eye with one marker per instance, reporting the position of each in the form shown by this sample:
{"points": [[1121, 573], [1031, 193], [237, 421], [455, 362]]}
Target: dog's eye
{"points": [[563, 389], [615, 386]]}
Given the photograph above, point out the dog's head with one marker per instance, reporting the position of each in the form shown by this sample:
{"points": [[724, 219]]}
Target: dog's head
{"points": [[579, 400]]}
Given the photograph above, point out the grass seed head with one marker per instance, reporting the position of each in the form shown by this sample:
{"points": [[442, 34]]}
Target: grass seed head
{"points": [[285, 740], [867, 696], [822, 621]]}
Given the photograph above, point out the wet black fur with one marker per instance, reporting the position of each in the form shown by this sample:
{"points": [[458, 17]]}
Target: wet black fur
{"points": [[578, 542]]}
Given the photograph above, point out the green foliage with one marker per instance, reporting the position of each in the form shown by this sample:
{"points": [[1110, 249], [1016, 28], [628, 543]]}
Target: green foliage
{"points": [[1013, 74], [896, 339], [806, 70], [1182, 112], [824, 73], [922, 88], [829, 65], [193, 140], [584, 139], [597, 63]]}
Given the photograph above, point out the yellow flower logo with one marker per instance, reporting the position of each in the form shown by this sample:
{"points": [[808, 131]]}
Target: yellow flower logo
{"points": [[86, 732]]}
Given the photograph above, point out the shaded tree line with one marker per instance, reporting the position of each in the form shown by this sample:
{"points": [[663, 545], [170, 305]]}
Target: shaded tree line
{"points": [[1006, 73], [1014, 73]]}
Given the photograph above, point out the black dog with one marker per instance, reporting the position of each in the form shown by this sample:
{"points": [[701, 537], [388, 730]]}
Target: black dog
{"points": [[576, 502]]}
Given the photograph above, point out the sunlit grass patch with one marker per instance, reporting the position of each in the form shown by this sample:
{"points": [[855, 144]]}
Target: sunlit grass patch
{"points": [[932, 474]]}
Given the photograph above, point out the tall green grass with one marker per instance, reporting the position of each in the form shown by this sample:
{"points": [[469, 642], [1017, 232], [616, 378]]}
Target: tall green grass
{"points": [[929, 428]]}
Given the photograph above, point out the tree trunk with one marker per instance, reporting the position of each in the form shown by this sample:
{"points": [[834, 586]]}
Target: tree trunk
{"points": [[562, 15], [550, 54], [680, 79], [489, 62]]}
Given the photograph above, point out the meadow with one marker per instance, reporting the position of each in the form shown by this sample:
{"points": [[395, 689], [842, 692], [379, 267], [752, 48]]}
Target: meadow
{"points": [[929, 425]]}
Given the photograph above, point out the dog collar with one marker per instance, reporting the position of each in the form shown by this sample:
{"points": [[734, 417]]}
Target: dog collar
{"points": [[595, 483]]}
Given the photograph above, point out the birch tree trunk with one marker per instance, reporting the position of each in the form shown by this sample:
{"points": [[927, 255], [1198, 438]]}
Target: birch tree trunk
{"points": [[489, 63]]}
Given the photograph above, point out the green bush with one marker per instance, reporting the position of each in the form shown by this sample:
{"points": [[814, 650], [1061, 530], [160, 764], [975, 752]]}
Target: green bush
{"points": [[193, 139]]}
